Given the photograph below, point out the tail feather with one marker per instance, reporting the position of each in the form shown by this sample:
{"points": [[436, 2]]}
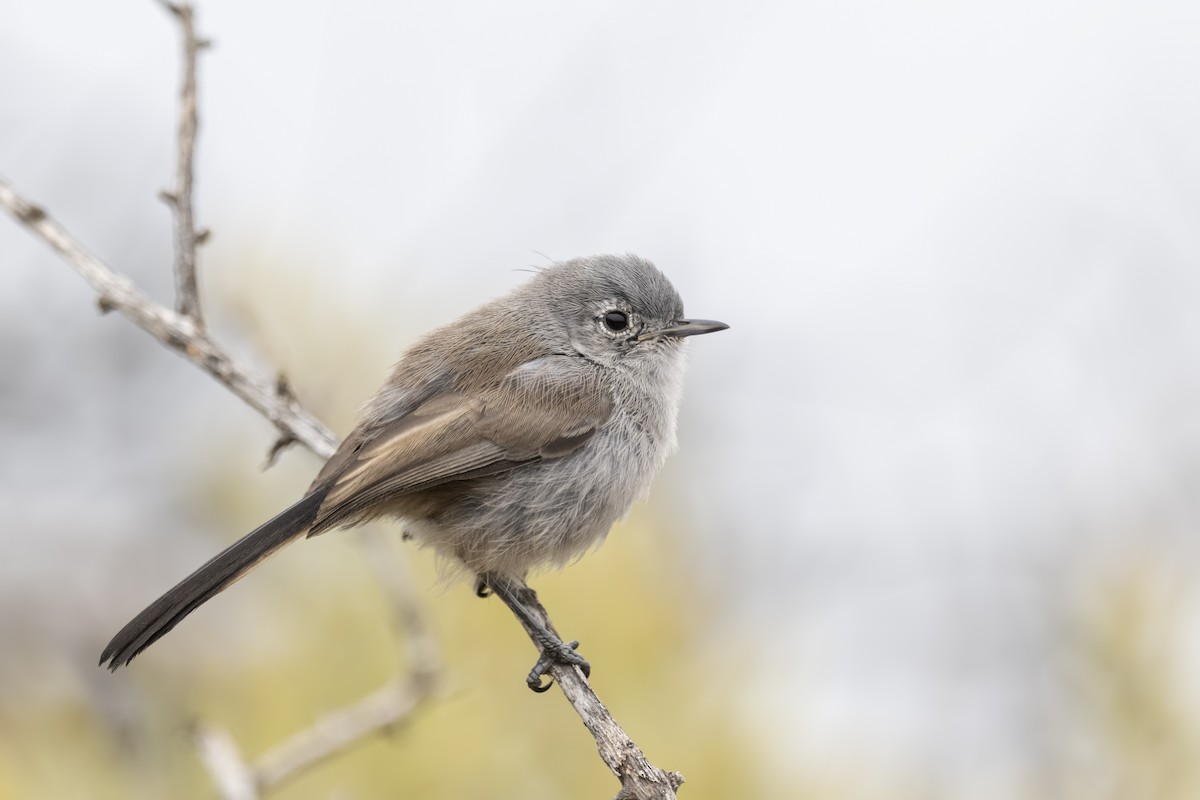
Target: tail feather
{"points": [[202, 585]]}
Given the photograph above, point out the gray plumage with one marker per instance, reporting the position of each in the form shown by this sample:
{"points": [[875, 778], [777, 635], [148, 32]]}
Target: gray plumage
{"points": [[511, 438]]}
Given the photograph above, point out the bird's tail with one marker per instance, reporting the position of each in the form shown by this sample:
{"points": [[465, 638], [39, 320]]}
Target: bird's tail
{"points": [[193, 591]]}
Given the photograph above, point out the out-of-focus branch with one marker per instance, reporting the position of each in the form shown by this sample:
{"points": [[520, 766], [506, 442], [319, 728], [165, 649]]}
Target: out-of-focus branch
{"points": [[118, 293], [640, 780], [382, 712], [187, 238], [219, 753]]}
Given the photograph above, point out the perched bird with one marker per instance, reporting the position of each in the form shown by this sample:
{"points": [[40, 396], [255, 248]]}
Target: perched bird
{"points": [[509, 439]]}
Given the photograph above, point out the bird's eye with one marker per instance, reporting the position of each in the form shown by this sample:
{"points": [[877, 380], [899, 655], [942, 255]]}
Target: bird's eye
{"points": [[616, 320]]}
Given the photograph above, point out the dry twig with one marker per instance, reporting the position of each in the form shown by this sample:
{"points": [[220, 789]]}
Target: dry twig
{"points": [[384, 711], [640, 780], [187, 238], [118, 293], [183, 331], [219, 754]]}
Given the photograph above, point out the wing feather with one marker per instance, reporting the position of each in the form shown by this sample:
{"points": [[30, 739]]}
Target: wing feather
{"points": [[544, 409]]}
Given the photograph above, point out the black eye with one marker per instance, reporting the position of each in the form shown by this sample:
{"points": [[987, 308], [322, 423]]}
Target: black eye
{"points": [[616, 320]]}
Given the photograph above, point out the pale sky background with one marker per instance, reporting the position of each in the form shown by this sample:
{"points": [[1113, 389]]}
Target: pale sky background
{"points": [[958, 245]]}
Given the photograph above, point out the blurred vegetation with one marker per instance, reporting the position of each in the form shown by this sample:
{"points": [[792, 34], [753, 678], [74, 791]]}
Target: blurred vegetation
{"points": [[1136, 688]]}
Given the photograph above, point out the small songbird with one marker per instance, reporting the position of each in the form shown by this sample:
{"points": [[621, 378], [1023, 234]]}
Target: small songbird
{"points": [[509, 439]]}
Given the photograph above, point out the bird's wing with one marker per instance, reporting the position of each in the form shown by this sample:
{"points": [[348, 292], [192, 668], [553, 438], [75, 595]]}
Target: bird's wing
{"points": [[544, 409]]}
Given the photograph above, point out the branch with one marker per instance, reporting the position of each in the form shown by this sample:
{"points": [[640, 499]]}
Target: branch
{"points": [[382, 712], [220, 755], [640, 780], [187, 239], [183, 331], [118, 293]]}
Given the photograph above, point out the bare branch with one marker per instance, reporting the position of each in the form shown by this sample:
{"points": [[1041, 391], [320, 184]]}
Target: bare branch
{"points": [[380, 712], [383, 711], [234, 780], [640, 780], [118, 293], [187, 239]]}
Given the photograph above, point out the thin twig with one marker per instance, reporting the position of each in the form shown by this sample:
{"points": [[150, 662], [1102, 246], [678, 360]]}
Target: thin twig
{"points": [[640, 780], [187, 239], [234, 780], [383, 711], [118, 293]]}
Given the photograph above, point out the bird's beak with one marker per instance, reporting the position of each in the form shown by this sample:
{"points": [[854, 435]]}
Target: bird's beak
{"points": [[686, 327]]}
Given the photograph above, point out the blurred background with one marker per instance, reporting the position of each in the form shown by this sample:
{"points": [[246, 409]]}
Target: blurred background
{"points": [[932, 528]]}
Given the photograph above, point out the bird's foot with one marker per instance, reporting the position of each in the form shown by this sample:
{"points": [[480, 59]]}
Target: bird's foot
{"points": [[558, 652], [519, 597]]}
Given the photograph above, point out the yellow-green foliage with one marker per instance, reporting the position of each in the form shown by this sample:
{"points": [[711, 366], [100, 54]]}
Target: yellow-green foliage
{"points": [[1132, 681]]}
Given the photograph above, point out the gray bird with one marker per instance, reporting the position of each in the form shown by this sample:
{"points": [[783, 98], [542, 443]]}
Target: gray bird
{"points": [[509, 439]]}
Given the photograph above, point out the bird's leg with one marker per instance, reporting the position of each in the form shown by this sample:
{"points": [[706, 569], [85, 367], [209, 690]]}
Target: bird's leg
{"points": [[554, 650]]}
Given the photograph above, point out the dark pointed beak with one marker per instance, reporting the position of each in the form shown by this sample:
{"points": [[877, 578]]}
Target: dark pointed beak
{"points": [[687, 327]]}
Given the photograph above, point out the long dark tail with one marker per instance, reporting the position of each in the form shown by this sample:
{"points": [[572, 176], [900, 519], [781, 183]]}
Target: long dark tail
{"points": [[203, 584]]}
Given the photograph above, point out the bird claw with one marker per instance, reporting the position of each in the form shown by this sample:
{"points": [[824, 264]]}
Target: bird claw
{"points": [[558, 653], [534, 681]]}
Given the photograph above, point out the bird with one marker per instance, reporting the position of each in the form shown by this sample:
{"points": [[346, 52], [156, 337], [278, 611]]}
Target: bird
{"points": [[510, 439]]}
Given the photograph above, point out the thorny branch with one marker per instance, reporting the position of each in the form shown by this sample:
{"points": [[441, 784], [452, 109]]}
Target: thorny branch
{"points": [[187, 238], [117, 293], [391, 706], [182, 330]]}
